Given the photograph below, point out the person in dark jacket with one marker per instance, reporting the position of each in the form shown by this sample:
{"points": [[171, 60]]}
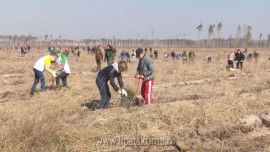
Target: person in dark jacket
{"points": [[156, 54], [184, 57], [94, 49], [22, 51], [256, 55], [109, 55], [239, 59], [78, 51], [145, 71], [108, 74], [88, 49], [173, 55], [249, 57]]}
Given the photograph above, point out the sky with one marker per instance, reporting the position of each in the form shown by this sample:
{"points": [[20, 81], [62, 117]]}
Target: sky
{"points": [[135, 19]]}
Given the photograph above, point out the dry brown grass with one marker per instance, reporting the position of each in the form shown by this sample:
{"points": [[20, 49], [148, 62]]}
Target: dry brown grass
{"points": [[186, 97]]}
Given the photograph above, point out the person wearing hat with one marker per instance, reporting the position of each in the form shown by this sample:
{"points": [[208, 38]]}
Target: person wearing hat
{"points": [[43, 64], [145, 71], [63, 69]]}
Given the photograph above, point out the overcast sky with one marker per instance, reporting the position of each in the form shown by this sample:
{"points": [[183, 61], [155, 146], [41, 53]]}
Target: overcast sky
{"points": [[79, 19]]}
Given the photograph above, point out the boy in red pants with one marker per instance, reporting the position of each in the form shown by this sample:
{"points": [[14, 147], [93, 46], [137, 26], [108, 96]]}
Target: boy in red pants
{"points": [[145, 71]]}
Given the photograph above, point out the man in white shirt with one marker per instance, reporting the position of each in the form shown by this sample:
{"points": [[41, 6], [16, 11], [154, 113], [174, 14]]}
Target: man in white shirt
{"points": [[43, 64]]}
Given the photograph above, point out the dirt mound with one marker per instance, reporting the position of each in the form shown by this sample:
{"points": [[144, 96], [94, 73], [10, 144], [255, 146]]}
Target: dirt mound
{"points": [[249, 123], [219, 130], [11, 94], [265, 119], [247, 129]]}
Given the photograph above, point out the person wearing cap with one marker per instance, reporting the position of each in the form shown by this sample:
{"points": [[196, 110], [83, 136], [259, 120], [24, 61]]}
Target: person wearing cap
{"points": [[63, 69], [145, 71], [43, 64], [108, 74]]}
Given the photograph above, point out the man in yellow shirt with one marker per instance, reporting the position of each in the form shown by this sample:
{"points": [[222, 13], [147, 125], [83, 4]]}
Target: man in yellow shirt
{"points": [[43, 64]]}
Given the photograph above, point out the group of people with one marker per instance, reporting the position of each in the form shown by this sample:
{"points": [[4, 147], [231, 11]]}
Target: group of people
{"points": [[131, 56], [145, 69], [185, 56], [128, 56], [254, 55], [61, 70], [238, 57], [46, 63]]}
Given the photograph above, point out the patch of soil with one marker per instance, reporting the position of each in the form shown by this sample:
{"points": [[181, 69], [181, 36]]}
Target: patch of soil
{"points": [[249, 133], [17, 82], [93, 105], [218, 130], [5, 94]]}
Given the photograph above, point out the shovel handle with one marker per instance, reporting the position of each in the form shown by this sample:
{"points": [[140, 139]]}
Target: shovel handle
{"points": [[53, 87], [136, 92]]}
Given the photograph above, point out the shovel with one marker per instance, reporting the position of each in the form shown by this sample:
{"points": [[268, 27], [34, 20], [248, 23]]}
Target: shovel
{"points": [[136, 92], [53, 87]]}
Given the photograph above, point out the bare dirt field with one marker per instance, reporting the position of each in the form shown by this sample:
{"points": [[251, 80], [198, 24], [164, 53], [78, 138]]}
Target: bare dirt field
{"points": [[201, 106]]}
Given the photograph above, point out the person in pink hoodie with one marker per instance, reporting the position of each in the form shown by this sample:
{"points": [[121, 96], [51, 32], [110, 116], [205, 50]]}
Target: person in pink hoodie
{"points": [[231, 57]]}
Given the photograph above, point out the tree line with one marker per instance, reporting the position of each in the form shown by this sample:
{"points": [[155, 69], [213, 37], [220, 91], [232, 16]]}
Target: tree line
{"points": [[242, 39]]}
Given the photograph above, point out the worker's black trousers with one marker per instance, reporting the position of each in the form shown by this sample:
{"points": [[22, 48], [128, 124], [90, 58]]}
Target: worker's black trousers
{"points": [[104, 93], [63, 76], [239, 63]]}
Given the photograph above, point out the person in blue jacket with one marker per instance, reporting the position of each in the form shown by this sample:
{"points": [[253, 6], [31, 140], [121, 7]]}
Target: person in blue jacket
{"points": [[123, 55], [108, 74]]}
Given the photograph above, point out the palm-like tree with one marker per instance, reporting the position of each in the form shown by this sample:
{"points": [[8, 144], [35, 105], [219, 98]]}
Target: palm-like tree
{"points": [[219, 27], [210, 30], [199, 28]]}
